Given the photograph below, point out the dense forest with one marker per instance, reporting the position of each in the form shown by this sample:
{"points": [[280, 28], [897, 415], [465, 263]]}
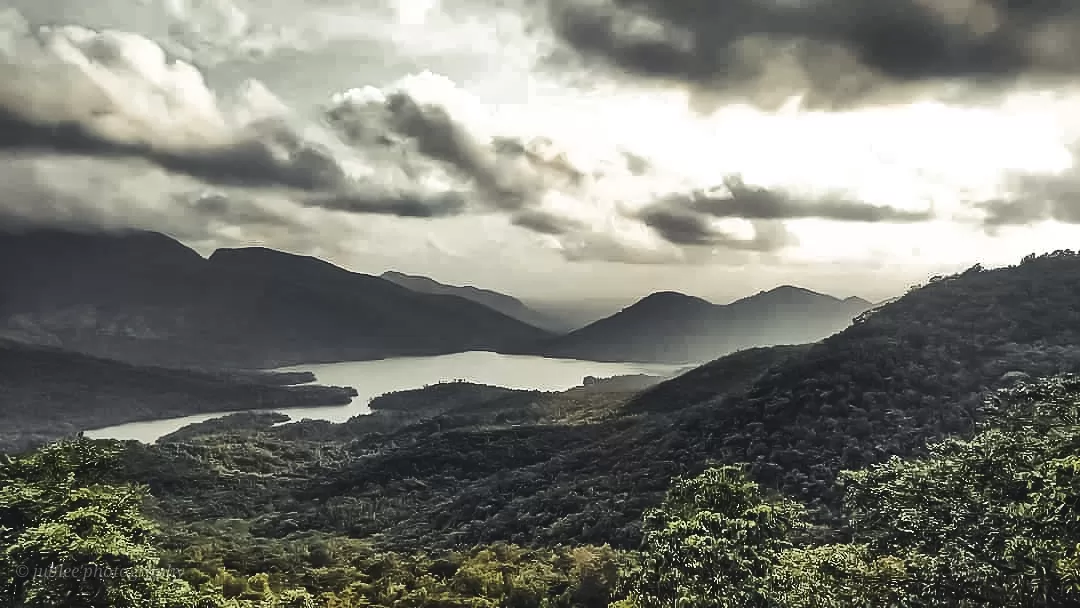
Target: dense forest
{"points": [[984, 521], [924, 456], [582, 467]]}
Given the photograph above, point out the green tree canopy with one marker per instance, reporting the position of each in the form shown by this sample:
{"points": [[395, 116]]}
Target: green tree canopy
{"points": [[713, 543], [69, 538], [993, 519]]}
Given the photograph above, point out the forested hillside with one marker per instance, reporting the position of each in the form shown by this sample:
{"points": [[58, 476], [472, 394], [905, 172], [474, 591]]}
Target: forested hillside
{"points": [[726, 375], [438, 481], [913, 370], [546, 470], [983, 522]]}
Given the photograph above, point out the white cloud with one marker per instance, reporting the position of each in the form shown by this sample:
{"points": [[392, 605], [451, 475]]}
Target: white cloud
{"points": [[119, 86]]}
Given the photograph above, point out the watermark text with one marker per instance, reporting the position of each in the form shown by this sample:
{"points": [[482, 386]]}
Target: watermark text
{"points": [[95, 571]]}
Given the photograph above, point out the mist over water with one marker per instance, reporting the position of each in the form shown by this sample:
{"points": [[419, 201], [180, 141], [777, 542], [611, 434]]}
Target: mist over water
{"points": [[374, 378]]}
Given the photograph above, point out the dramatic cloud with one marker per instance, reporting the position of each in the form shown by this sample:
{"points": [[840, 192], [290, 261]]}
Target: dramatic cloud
{"points": [[641, 249], [739, 200], [836, 51], [697, 218], [401, 204], [568, 126], [547, 222], [84, 193], [506, 173], [1035, 199], [83, 94], [112, 95], [683, 227], [74, 90]]}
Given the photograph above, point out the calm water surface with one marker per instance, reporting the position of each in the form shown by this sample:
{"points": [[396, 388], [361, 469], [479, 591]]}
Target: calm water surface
{"points": [[374, 378]]}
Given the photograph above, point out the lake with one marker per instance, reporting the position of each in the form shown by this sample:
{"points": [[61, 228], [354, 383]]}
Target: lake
{"points": [[374, 378]]}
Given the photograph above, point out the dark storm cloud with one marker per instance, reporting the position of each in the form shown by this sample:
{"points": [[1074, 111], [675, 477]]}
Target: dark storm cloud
{"points": [[680, 226], [508, 174], [545, 222], [739, 200], [1035, 199], [686, 228], [440, 137], [1030, 198], [842, 50], [554, 164], [84, 95], [416, 205], [250, 163], [246, 163]]}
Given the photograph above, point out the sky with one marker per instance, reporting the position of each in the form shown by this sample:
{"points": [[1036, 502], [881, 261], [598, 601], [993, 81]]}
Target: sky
{"points": [[557, 149]]}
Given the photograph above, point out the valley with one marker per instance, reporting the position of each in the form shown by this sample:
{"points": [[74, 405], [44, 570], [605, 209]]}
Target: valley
{"points": [[482, 462], [371, 379], [539, 304]]}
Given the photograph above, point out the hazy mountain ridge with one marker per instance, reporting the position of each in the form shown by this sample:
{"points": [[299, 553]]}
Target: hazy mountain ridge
{"points": [[508, 305], [677, 328], [146, 298]]}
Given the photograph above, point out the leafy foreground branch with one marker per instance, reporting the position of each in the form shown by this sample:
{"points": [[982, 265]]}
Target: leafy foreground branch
{"points": [[986, 521]]}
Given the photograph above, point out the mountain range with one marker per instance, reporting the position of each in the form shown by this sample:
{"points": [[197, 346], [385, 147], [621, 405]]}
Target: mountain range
{"points": [[672, 327], [507, 305], [144, 297], [459, 465]]}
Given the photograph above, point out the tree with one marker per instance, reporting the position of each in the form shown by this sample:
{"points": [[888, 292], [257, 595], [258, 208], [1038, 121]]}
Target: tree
{"points": [[838, 576], [713, 543], [988, 521], [71, 539], [993, 520]]}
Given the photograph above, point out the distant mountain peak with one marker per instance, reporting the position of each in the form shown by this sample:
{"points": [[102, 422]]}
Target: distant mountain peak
{"points": [[674, 327], [671, 297], [393, 274], [499, 302], [430, 285], [256, 252], [793, 291], [130, 246], [667, 303], [263, 259], [145, 298]]}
